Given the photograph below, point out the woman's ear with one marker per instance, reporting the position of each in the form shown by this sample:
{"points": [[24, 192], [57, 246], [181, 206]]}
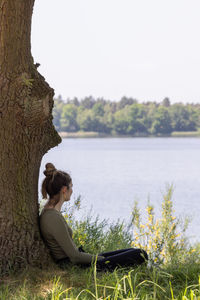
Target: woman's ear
{"points": [[64, 189]]}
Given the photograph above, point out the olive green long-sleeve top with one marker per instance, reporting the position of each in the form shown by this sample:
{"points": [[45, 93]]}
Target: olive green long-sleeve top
{"points": [[58, 237]]}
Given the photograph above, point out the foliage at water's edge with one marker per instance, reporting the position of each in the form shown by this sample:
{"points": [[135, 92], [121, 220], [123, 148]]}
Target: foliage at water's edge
{"points": [[125, 118]]}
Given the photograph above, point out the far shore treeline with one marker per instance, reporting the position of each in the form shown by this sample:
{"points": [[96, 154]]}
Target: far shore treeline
{"points": [[126, 117]]}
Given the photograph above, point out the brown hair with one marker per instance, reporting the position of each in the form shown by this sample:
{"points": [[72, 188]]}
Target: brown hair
{"points": [[53, 183]]}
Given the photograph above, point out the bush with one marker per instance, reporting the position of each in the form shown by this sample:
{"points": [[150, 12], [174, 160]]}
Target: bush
{"points": [[163, 238]]}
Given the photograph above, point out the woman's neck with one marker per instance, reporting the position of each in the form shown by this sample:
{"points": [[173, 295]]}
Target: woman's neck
{"points": [[57, 206]]}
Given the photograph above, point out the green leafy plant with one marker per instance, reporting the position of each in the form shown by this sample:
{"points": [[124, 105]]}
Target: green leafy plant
{"points": [[163, 238]]}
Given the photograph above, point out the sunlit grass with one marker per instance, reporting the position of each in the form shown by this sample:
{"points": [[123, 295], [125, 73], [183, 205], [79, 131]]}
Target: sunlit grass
{"points": [[185, 133], [172, 282]]}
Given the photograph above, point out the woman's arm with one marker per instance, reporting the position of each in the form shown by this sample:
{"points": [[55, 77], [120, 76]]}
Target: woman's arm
{"points": [[60, 232]]}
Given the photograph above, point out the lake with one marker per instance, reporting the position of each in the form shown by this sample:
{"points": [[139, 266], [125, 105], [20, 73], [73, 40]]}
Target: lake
{"points": [[110, 173]]}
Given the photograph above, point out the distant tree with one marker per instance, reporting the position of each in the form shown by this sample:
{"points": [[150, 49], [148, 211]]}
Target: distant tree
{"points": [[166, 102], [162, 122], [125, 101], [98, 109], [68, 120], [59, 98], [101, 100], [88, 102], [86, 120], [194, 111], [108, 120], [182, 118], [121, 123], [136, 116], [113, 107], [74, 101], [57, 111]]}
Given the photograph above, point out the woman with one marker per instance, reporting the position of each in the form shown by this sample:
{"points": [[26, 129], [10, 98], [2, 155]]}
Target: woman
{"points": [[58, 235]]}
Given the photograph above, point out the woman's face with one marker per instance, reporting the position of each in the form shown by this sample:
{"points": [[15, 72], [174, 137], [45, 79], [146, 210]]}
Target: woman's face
{"points": [[69, 191]]}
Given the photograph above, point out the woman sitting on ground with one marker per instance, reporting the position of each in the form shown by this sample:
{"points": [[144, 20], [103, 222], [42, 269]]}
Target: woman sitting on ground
{"points": [[58, 235]]}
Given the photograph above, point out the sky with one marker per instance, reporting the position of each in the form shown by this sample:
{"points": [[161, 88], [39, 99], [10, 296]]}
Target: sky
{"points": [[147, 50]]}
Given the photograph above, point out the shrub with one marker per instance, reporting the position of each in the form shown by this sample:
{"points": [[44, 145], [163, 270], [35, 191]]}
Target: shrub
{"points": [[163, 239]]}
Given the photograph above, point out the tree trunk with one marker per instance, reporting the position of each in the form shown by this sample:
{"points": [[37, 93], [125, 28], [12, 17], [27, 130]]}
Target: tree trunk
{"points": [[26, 134]]}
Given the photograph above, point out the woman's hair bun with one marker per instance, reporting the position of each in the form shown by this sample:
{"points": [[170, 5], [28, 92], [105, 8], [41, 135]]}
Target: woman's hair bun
{"points": [[50, 169]]}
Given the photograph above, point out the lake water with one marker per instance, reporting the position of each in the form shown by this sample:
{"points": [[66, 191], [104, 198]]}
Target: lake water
{"points": [[110, 173]]}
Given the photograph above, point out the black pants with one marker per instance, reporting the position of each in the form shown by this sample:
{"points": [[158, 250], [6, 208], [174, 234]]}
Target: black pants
{"points": [[120, 258]]}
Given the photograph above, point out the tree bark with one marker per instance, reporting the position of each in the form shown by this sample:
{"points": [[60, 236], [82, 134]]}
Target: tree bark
{"points": [[26, 134]]}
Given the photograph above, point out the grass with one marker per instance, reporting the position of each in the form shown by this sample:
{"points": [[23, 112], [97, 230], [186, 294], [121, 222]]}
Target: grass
{"points": [[92, 134], [173, 270], [81, 134], [170, 282], [185, 133]]}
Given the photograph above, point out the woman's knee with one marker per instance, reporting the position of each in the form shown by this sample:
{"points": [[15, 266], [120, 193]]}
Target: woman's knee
{"points": [[141, 255]]}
